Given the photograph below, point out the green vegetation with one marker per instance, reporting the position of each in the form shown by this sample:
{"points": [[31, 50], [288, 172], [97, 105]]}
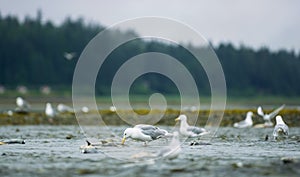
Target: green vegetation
{"points": [[31, 54], [291, 117]]}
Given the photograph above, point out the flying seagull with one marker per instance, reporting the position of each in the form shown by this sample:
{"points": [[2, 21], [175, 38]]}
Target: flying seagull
{"points": [[268, 117], [69, 55]]}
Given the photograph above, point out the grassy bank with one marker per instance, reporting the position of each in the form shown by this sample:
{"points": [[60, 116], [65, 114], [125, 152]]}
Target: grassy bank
{"points": [[67, 96], [291, 117]]}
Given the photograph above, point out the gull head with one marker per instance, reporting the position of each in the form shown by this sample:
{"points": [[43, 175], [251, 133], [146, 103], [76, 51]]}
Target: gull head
{"points": [[48, 106], [250, 113], [182, 117], [19, 101], [127, 133], [279, 120]]}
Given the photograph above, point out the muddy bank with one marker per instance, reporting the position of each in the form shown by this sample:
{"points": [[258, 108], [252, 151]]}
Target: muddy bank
{"points": [[291, 117]]}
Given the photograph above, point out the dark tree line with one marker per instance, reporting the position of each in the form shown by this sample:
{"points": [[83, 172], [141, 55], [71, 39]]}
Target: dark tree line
{"points": [[31, 53]]}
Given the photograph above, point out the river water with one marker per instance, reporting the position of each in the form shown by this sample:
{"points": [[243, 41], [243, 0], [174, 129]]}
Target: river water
{"points": [[55, 151]]}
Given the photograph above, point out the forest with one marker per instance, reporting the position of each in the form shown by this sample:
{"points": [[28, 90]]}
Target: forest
{"points": [[32, 54]]}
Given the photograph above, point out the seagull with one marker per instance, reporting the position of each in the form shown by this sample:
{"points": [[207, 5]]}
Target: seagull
{"points": [[22, 104], [281, 129], [49, 111], [69, 56], [64, 108], [13, 141], [189, 131], [89, 148], [145, 133], [112, 108], [173, 149], [267, 117], [10, 113], [245, 123], [85, 109]]}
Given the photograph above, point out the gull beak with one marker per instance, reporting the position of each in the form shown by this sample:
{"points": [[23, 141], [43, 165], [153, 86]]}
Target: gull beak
{"points": [[177, 119], [123, 140]]}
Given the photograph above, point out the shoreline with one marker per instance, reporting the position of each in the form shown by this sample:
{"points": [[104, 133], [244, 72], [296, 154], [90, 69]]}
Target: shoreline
{"points": [[290, 116]]}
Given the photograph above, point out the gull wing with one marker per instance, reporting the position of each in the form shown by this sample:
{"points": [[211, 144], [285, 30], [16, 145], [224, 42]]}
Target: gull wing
{"points": [[276, 111], [146, 127], [241, 124], [260, 111], [155, 134], [27, 104], [196, 130]]}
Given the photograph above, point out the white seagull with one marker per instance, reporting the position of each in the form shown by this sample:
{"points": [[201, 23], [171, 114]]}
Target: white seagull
{"points": [[189, 131], [112, 108], [64, 108], [267, 117], [145, 133], [69, 56], [281, 129], [49, 111], [173, 149], [22, 104], [245, 123], [85, 109]]}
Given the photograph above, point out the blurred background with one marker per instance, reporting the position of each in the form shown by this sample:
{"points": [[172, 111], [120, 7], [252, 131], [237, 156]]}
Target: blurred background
{"points": [[256, 42]]}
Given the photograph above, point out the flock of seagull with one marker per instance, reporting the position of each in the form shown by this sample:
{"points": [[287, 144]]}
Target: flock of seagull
{"points": [[280, 129], [50, 111], [146, 133]]}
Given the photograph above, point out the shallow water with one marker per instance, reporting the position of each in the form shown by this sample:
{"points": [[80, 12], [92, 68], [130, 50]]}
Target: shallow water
{"points": [[54, 151]]}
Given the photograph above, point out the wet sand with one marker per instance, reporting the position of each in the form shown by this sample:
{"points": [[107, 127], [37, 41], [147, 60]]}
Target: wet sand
{"points": [[54, 151]]}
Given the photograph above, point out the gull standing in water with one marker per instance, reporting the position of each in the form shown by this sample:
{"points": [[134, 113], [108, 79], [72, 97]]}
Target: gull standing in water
{"points": [[22, 104], [49, 111], [267, 117], [189, 131], [245, 123], [145, 133], [281, 129]]}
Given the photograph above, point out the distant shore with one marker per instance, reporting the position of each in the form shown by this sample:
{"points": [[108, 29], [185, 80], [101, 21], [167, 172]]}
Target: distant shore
{"points": [[291, 117]]}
